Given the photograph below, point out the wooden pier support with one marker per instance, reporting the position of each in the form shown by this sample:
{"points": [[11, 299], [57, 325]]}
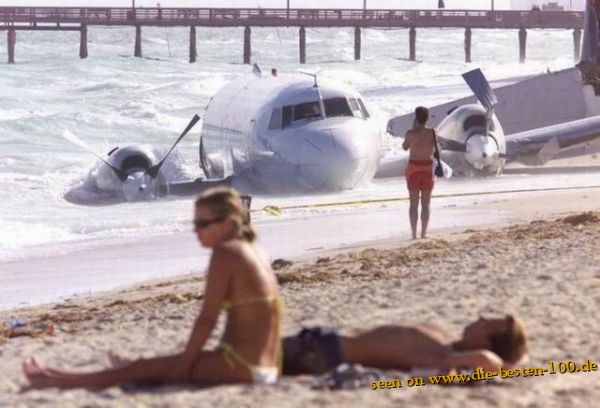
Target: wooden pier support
{"points": [[302, 45], [247, 45], [11, 40], [137, 52], [522, 45], [412, 44], [577, 44], [83, 48], [357, 43], [468, 35], [193, 50]]}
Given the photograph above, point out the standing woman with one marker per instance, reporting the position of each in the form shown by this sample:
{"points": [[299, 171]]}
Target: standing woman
{"points": [[420, 142], [240, 282]]}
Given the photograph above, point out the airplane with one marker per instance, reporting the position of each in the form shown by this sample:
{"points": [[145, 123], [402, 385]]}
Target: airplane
{"points": [[289, 133]]}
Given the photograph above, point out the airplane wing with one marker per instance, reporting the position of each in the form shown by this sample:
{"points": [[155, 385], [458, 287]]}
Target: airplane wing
{"points": [[538, 146], [525, 105]]}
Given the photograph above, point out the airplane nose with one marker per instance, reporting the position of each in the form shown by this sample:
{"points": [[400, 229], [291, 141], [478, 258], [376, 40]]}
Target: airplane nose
{"points": [[333, 158]]}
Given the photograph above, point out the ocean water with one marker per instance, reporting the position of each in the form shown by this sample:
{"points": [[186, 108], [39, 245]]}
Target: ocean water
{"points": [[112, 99]]}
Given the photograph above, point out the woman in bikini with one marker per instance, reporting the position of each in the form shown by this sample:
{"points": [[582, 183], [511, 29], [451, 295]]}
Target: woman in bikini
{"points": [[239, 281], [419, 141]]}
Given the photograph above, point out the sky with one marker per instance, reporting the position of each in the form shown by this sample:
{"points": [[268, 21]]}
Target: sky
{"points": [[472, 4]]}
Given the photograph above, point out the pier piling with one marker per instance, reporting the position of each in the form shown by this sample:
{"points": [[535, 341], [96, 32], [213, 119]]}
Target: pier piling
{"points": [[193, 50], [247, 45], [468, 35], [83, 48], [577, 44], [302, 44], [412, 39], [522, 44], [357, 43], [11, 39], [137, 52]]}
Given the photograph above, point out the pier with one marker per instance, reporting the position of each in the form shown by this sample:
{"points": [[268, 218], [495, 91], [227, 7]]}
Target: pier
{"points": [[13, 19]]}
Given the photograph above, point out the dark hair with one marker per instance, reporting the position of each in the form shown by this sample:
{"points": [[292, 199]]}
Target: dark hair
{"points": [[225, 203], [421, 115], [511, 344]]}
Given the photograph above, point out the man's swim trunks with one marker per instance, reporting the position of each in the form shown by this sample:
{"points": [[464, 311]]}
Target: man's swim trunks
{"points": [[419, 175], [315, 350]]}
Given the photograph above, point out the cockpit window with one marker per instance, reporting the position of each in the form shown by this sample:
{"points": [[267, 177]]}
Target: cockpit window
{"points": [[364, 110], [307, 110], [356, 108], [275, 122], [337, 107]]}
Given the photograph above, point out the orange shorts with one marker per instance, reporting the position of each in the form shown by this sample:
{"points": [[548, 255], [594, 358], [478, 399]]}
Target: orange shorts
{"points": [[419, 175]]}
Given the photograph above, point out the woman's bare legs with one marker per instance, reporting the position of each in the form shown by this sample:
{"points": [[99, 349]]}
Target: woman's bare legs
{"points": [[211, 368], [425, 202], [413, 211]]}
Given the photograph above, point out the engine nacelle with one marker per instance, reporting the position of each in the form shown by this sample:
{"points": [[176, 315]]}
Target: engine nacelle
{"points": [[134, 160], [480, 153]]}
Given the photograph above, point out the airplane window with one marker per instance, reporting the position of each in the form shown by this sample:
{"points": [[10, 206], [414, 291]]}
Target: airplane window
{"points": [[307, 110], [364, 110], [287, 116], [275, 122], [354, 104], [337, 107]]}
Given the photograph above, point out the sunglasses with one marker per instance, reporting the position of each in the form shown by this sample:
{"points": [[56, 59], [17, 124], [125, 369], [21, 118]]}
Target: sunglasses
{"points": [[201, 224]]}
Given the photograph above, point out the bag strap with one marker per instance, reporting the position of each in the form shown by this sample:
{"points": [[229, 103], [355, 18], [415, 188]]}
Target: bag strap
{"points": [[436, 152]]}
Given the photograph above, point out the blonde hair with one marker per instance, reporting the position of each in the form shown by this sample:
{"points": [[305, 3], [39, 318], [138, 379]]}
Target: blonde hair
{"points": [[226, 203]]}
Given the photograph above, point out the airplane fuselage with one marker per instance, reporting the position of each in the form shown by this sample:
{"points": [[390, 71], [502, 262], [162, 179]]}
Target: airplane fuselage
{"points": [[283, 133]]}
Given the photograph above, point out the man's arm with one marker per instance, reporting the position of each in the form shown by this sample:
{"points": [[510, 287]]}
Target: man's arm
{"points": [[474, 359]]}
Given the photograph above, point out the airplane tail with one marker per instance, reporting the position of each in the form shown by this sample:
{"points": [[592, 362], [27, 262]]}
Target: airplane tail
{"points": [[591, 48]]}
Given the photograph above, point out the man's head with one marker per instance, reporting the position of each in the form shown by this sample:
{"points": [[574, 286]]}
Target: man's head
{"points": [[505, 337], [421, 115]]}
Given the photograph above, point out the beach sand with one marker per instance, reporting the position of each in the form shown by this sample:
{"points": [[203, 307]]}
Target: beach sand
{"points": [[543, 267]]}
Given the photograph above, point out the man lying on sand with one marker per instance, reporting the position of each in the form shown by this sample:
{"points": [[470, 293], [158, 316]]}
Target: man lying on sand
{"points": [[239, 281], [485, 343]]}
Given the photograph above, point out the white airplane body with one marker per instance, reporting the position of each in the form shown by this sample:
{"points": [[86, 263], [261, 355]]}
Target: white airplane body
{"points": [[287, 133]]}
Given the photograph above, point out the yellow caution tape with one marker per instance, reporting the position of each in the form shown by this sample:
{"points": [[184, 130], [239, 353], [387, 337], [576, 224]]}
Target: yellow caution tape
{"points": [[278, 210]]}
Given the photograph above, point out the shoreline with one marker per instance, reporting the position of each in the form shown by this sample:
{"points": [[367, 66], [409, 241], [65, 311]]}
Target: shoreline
{"points": [[170, 256]]}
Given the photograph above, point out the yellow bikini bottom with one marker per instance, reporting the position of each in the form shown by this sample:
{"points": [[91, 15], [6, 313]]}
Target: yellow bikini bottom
{"points": [[259, 374]]}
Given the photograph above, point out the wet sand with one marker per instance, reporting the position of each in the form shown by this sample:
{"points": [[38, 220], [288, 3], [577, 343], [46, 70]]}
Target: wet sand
{"points": [[543, 267]]}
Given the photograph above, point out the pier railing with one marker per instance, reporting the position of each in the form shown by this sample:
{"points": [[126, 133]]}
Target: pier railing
{"points": [[79, 18], [31, 17]]}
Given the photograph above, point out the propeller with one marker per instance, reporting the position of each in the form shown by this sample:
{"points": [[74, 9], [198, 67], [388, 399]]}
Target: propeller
{"points": [[153, 171], [484, 94], [121, 174], [451, 145]]}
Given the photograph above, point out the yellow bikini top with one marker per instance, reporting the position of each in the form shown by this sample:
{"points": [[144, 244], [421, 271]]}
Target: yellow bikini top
{"points": [[227, 305]]}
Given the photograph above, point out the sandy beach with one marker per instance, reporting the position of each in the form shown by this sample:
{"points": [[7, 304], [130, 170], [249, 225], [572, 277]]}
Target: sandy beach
{"points": [[541, 265]]}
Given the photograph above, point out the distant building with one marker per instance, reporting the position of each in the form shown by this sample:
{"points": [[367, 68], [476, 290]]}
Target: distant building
{"points": [[552, 6], [562, 4]]}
